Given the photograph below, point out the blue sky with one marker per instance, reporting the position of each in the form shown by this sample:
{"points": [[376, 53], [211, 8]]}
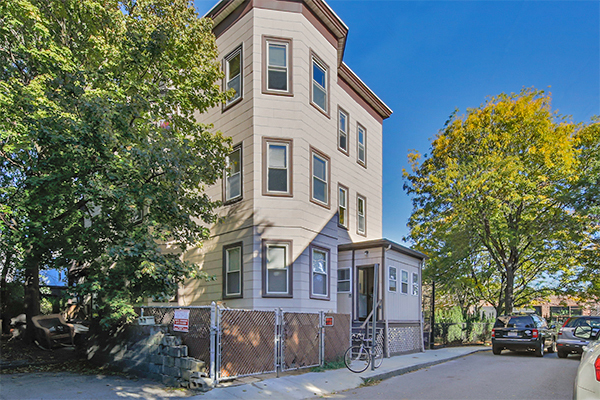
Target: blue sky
{"points": [[426, 58]]}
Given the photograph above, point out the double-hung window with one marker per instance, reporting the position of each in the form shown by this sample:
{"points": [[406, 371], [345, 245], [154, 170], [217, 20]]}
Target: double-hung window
{"points": [[404, 282], [277, 168], [361, 215], [319, 280], [233, 74], [233, 175], [319, 178], [277, 67], [343, 206], [392, 279], [232, 270], [343, 120], [319, 74], [277, 269], [343, 280], [415, 284], [361, 138]]}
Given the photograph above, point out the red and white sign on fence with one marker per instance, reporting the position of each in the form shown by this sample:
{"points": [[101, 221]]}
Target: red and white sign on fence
{"points": [[181, 322]]}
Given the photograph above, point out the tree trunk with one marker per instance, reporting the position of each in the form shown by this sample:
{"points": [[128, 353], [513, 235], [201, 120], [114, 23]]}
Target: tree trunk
{"points": [[4, 295], [509, 293], [32, 293]]}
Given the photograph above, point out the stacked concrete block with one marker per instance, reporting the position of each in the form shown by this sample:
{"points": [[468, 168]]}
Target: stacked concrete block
{"points": [[171, 364], [152, 352]]}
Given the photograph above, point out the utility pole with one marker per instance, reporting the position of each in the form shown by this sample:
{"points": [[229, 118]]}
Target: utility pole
{"points": [[432, 318]]}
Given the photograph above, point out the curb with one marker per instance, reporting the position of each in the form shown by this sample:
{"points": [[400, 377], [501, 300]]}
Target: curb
{"points": [[390, 374]]}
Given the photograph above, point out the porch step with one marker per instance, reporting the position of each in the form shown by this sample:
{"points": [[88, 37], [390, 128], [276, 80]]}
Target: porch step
{"points": [[356, 327]]}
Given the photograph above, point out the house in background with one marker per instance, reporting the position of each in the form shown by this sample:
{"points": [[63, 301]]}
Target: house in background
{"points": [[301, 224]]}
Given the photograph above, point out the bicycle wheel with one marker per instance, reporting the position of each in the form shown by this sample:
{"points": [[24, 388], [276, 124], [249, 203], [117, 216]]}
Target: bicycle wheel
{"points": [[357, 359], [377, 355]]}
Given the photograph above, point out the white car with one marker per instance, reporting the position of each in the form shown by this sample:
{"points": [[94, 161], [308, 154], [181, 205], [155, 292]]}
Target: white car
{"points": [[587, 380]]}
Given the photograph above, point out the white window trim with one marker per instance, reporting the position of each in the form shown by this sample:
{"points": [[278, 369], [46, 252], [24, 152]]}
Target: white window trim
{"points": [[392, 280], [402, 281], [288, 143], [349, 280], [227, 59], [360, 128], [345, 190], [268, 67], [227, 176], [227, 272], [322, 157], [312, 273], [287, 166], [415, 282], [358, 214], [314, 59], [286, 269], [341, 111]]}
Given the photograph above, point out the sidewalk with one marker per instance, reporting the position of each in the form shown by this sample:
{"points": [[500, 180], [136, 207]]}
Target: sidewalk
{"points": [[313, 384], [291, 385]]}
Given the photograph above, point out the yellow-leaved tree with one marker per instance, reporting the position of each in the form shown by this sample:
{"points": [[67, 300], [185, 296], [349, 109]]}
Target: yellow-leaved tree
{"points": [[491, 204]]}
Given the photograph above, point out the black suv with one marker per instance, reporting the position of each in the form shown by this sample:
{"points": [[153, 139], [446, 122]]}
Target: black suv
{"points": [[522, 332]]}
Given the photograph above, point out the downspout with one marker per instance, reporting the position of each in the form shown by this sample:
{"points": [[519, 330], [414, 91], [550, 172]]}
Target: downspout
{"points": [[353, 290], [421, 303]]}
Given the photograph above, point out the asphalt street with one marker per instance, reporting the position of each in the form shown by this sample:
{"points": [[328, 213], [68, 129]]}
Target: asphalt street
{"points": [[480, 376]]}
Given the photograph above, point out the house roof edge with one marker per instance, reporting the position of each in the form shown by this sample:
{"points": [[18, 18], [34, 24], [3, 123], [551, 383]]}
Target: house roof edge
{"points": [[368, 244]]}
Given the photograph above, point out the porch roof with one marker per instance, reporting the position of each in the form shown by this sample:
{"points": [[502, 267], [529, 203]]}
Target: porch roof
{"points": [[385, 243]]}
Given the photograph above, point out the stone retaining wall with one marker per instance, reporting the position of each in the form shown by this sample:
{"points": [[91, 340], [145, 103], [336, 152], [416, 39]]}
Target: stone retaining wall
{"points": [[150, 351]]}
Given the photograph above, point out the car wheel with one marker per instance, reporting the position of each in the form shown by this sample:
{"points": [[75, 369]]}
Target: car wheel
{"points": [[539, 350], [561, 354], [552, 348], [496, 350]]}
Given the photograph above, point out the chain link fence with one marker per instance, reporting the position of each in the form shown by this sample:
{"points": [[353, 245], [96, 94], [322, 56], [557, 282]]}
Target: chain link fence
{"points": [[235, 343], [301, 344], [247, 339], [197, 339], [337, 338]]}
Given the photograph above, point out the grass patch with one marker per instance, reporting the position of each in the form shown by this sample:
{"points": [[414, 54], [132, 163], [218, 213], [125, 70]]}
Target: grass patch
{"points": [[370, 382], [330, 365]]}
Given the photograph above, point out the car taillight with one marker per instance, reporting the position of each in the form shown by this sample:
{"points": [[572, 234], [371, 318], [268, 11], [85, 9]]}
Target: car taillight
{"points": [[597, 366], [535, 333], [493, 332], [559, 333]]}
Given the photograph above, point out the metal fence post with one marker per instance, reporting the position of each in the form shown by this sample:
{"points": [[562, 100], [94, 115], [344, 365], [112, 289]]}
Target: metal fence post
{"points": [[321, 338], [278, 342], [213, 342]]}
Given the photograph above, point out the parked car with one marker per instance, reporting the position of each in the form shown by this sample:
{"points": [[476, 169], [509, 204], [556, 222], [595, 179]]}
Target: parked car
{"points": [[566, 342], [587, 380], [523, 332]]}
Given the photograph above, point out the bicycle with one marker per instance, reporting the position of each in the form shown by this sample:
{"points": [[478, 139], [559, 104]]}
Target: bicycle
{"points": [[358, 357]]}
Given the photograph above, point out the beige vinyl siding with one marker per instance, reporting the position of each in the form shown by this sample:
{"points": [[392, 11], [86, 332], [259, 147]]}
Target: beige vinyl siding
{"points": [[399, 306], [295, 118], [259, 217], [344, 300]]}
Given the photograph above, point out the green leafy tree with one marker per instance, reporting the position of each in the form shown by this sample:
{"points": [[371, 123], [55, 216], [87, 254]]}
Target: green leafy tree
{"points": [[490, 204], [585, 199], [103, 163]]}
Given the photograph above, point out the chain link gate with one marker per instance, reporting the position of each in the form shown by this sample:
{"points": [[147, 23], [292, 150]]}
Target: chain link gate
{"points": [[301, 345], [245, 343]]}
